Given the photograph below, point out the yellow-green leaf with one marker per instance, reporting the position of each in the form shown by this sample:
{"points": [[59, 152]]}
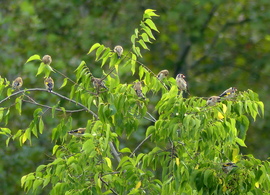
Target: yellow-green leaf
{"points": [[95, 46], [33, 57], [151, 24]]}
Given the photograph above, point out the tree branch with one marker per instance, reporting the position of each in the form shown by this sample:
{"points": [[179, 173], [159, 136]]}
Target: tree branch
{"points": [[145, 139], [114, 151], [57, 109], [57, 94], [113, 191]]}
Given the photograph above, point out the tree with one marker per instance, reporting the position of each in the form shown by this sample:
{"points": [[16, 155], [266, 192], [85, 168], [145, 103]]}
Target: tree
{"points": [[187, 142]]}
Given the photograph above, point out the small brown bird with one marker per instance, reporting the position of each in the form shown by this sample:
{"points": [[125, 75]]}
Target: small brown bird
{"points": [[181, 83], [47, 59], [49, 83], [138, 89], [228, 167], [17, 83], [213, 100], [162, 74], [118, 50], [77, 132], [98, 83], [229, 93]]}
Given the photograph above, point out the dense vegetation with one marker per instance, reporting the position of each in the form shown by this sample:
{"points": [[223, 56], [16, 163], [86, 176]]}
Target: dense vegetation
{"points": [[216, 45]]}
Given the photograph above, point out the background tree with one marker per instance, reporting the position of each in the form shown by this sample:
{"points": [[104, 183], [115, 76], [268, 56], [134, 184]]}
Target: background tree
{"points": [[190, 33]]}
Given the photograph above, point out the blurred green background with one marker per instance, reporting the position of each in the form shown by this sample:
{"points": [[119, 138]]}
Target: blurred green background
{"points": [[216, 44]]}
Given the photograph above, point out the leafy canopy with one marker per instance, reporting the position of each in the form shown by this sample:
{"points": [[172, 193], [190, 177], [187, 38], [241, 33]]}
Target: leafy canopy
{"points": [[187, 142]]}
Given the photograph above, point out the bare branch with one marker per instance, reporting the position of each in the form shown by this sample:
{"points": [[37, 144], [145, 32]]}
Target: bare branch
{"points": [[113, 191], [57, 94], [140, 145], [57, 109], [114, 151]]}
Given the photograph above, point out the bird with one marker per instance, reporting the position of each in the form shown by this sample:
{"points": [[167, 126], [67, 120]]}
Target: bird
{"points": [[138, 89], [47, 59], [17, 83], [227, 167], [77, 132], [229, 93], [118, 50], [49, 84], [213, 100], [181, 83], [98, 83], [162, 74]]}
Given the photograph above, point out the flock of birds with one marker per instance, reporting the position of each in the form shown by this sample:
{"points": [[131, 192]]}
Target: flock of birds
{"points": [[99, 83]]}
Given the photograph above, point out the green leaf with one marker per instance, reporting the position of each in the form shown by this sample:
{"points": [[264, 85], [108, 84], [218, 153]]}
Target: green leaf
{"points": [[7, 141], [64, 83], [105, 56], [143, 44], [125, 150], [40, 168], [133, 38], [133, 63], [88, 146], [1, 113], [95, 46], [150, 12], [80, 67], [145, 38], [40, 125], [41, 69], [151, 24], [33, 57], [242, 124], [261, 106], [148, 32], [55, 149], [141, 72], [207, 174], [99, 51], [18, 105], [136, 32], [240, 142], [6, 131], [9, 91]]}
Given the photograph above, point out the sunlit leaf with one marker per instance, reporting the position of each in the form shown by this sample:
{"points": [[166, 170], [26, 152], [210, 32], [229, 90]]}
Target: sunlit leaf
{"points": [[33, 57], [95, 46]]}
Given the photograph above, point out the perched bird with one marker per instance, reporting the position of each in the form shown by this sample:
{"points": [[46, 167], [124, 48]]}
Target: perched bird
{"points": [[49, 84], [47, 59], [98, 83], [162, 74], [17, 83], [77, 132], [118, 50], [138, 89], [181, 83], [213, 100], [228, 167], [229, 93]]}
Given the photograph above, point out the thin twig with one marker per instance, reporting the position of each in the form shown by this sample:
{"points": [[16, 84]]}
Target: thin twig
{"points": [[113, 191], [151, 116], [74, 81], [57, 94], [149, 119], [57, 109], [140, 144]]}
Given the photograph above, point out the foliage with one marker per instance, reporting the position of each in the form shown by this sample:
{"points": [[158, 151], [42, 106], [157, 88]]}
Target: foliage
{"points": [[189, 141]]}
